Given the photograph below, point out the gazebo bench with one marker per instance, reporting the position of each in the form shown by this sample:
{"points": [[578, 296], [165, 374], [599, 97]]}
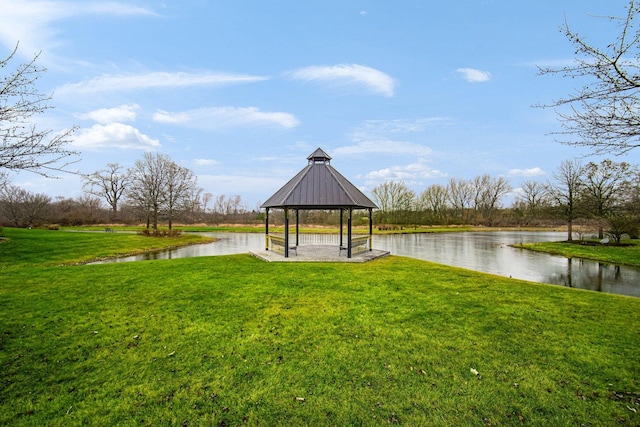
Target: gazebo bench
{"points": [[356, 242], [278, 242]]}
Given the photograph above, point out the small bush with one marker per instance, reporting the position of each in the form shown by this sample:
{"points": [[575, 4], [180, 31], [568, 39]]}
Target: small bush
{"points": [[150, 232], [389, 227]]}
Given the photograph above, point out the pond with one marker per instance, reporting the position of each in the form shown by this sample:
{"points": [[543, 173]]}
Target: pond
{"points": [[488, 252]]}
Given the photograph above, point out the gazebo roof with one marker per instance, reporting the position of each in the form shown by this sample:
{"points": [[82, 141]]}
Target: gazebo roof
{"points": [[319, 186]]}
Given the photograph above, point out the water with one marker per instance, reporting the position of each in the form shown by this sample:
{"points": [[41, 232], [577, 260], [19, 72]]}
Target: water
{"points": [[487, 252]]}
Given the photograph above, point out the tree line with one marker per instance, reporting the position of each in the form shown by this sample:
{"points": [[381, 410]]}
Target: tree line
{"points": [[605, 194], [155, 190]]}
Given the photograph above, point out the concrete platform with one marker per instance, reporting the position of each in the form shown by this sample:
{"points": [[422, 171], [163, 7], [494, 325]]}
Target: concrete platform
{"points": [[319, 253]]}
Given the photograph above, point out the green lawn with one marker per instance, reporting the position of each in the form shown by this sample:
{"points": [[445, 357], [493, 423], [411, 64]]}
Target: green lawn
{"points": [[44, 247], [627, 254], [232, 340]]}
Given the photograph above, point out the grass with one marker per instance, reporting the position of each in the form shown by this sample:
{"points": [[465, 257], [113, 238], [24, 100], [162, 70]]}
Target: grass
{"points": [[627, 254], [232, 340], [34, 246]]}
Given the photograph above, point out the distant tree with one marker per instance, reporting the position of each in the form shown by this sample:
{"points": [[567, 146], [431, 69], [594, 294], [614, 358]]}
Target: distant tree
{"points": [[23, 147], [533, 197], [604, 186], [395, 201], [434, 200], [564, 191], [206, 198], [160, 186], [11, 200], [621, 224], [460, 193], [35, 208], [604, 115], [632, 199], [108, 184], [22, 207], [179, 188], [488, 191], [89, 207], [148, 186]]}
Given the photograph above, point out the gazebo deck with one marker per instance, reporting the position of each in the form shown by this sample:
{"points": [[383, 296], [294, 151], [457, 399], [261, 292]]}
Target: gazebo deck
{"points": [[319, 253]]}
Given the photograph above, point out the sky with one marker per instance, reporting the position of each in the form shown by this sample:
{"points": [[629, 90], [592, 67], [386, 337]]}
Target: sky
{"points": [[242, 91]]}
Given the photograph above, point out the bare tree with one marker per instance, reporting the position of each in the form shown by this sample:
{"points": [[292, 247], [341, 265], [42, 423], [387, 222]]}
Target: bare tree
{"points": [[90, 206], [434, 199], [148, 186], [206, 198], [22, 207], [632, 199], [533, 197], [603, 187], [179, 187], [488, 192], [22, 145], [564, 191], [394, 199], [108, 184], [160, 186], [604, 114], [35, 208], [460, 193], [11, 199]]}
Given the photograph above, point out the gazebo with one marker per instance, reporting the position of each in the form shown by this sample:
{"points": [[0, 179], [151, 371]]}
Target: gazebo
{"points": [[318, 187]]}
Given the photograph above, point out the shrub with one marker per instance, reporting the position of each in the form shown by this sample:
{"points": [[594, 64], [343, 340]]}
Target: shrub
{"points": [[621, 225], [150, 232]]}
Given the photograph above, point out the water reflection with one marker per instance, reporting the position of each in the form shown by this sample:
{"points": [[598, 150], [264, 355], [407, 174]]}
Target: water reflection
{"points": [[487, 252]]}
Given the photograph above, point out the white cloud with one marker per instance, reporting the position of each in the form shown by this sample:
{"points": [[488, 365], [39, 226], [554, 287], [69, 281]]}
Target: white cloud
{"points": [[153, 80], [223, 117], [474, 76], [123, 113], [384, 146], [31, 22], [114, 135], [351, 74], [408, 173], [526, 172], [205, 162]]}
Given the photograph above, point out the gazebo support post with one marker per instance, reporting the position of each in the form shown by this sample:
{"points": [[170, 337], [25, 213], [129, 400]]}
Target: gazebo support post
{"points": [[349, 234], [266, 232], [297, 227], [286, 232], [370, 229], [341, 221]]}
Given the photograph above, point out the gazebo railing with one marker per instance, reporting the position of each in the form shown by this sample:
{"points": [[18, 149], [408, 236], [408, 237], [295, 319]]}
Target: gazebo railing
{"points": [[361, 242], [319, 239]]}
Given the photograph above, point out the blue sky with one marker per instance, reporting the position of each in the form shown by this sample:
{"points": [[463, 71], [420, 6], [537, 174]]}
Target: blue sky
{"points": [[242, 91]]}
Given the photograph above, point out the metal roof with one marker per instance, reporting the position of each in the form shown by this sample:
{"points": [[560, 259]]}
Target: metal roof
{"points": [[319, 186]]}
